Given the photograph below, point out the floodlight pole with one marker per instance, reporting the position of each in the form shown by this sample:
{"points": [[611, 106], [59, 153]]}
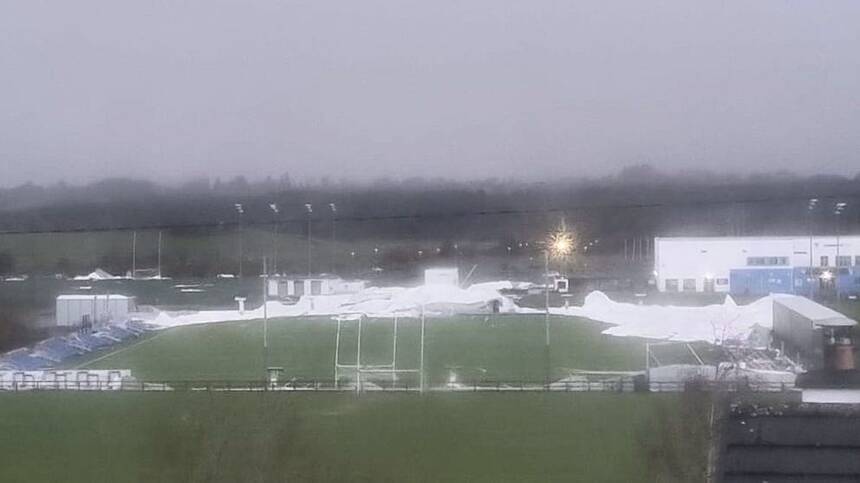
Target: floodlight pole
{"points": [[333, 224], [546, 317], [275, 212], [358, 357], [133, 254], [838, 213], [421, 363], [265, 321], [336, 352], [811, 277], [159, 254], [240, 210], [394, 353], [309, 210]]}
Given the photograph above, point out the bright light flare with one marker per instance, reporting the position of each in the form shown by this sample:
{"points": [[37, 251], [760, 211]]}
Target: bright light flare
{"points": [[560, 243]]}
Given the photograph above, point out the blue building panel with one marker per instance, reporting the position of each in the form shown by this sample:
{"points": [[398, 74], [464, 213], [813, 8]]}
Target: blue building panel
{"points": [[848, 282], [761, 281]]}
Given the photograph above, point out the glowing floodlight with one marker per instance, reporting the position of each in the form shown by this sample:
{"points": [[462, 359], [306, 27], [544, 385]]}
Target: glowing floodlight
{"points": [[560, 242]]}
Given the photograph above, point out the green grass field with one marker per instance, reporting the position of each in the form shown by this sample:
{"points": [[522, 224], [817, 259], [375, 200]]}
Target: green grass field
{"points": [[182, 437], [475, 348], [393, 437]]}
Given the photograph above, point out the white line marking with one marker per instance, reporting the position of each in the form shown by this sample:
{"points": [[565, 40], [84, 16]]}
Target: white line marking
{"points": [[110, 354]]}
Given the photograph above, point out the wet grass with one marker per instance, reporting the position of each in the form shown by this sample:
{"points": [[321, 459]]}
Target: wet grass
{"points": [[506, 348], [128, 437]]}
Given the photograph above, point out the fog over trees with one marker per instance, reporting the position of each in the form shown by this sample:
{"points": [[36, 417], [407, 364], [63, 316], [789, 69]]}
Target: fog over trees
{"points": [[638, 201]]}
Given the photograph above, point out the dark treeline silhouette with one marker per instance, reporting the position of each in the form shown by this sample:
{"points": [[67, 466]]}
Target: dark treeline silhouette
{"points": [[689, 203], [638, 202]]}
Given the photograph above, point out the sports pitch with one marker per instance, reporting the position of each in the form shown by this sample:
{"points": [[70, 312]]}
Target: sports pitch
{"points": [[471, 348], [372, 437]]}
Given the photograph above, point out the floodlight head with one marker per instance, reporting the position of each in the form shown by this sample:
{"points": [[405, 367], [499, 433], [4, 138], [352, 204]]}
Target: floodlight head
{"points": [[309, 208], [560, 243], [274, 207], [840, 207], [239, 208], [333, 207]]}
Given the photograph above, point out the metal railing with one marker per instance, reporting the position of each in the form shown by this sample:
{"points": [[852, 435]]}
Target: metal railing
{"points": [[330, 385]]}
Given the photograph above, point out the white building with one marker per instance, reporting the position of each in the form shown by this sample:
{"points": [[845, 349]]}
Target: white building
{"points": [[85, 310], [757, 265], [442, 276], [297, 285]]}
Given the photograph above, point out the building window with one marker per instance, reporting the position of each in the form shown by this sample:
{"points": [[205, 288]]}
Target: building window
{"points": [[824, 261], [843, 261], [766, 261], [689, 284], [857, 261], [722, 281], [671, 284]]}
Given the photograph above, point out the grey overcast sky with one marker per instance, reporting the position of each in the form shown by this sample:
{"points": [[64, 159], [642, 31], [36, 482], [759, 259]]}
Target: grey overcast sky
{"points": [[169, 90]]}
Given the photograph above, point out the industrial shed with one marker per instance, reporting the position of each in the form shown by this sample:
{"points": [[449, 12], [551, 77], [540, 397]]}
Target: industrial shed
{"points": [[801, 325], [86, 310]]}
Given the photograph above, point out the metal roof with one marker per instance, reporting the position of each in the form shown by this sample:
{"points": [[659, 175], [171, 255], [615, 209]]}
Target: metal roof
{"points": [[91, 296], [819, 315]]}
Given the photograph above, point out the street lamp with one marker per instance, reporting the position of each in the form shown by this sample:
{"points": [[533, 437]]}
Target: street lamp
{"points": [[241, 211], [275, 212], [309, 209], [559, 244]]}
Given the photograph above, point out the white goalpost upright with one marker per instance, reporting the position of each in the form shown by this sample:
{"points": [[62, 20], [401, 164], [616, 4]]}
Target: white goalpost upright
{"points": [[358, 368]]}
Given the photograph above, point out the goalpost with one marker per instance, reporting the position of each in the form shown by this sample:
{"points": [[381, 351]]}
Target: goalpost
{"points": [[390, 368]]}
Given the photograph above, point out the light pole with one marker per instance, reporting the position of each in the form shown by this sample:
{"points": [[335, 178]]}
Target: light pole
{"points": [[275, 212], [309, 209], [840, 207], [811, 277], [265, 322], [159, 254], [559, 244], [133, 254], [333, 208], [240, 210]]}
